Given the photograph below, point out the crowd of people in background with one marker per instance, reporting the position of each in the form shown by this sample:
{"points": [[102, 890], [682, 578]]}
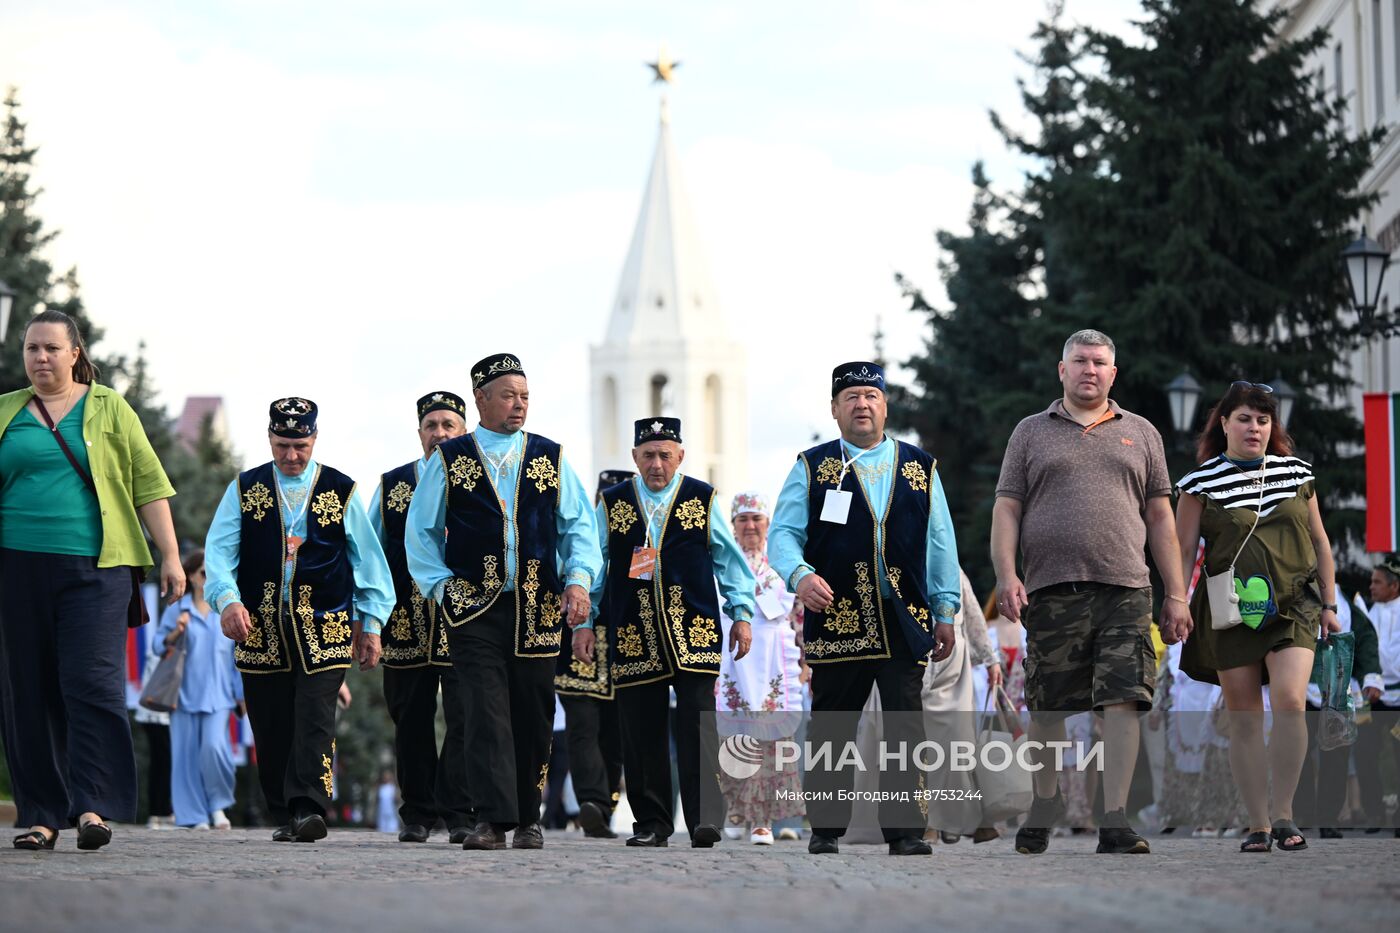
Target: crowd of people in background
{"points": [[583, 649]]}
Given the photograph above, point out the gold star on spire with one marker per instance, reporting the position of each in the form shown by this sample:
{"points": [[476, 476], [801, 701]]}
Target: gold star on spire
{"points": [[663, 68]]}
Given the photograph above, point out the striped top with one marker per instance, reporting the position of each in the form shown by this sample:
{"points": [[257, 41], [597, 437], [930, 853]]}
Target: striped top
{"points": [[1231, 487]]}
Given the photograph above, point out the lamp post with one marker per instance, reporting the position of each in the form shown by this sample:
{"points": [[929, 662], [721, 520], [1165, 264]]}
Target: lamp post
{"points": [[1286, 396], [1365, 262], [1183, 395], [7, 303]]}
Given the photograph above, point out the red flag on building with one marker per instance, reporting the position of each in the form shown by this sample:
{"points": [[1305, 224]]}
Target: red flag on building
{"points": [[1381, 471]]}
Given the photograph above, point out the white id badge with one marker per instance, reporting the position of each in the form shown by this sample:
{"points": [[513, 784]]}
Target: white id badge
{"points": [[836, 507], [769, 605]]}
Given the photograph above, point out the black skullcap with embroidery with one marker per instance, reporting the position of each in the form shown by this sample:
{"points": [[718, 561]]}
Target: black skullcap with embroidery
{"points": [[292, 417], [494, 367], [858, 373], [441, 401], [1391, 565], [609, 478], [657, 429]]}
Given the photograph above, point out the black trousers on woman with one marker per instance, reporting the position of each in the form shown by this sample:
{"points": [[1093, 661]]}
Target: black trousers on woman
{"points": [[646, 752], [293, 720], [63, 645]]}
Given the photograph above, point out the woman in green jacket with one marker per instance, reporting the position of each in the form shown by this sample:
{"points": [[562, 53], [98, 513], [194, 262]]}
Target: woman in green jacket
{"points": [[69, 538]]}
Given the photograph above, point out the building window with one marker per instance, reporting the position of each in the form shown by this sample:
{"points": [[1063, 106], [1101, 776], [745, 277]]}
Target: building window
{"points": [[714, 423], [609, 438], [660, 395]]}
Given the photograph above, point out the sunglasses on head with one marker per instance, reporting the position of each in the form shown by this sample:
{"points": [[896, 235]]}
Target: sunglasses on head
{"points": [[1253, 385]]}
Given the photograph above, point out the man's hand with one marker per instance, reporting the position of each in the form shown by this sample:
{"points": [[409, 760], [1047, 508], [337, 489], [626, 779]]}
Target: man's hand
{"points": [[1012, 598], [740, 639], [1370, 694], [235, 622], [814, 592], [365, 648], [1175, 624], [576, 605], [584, 642], [944, 638]]}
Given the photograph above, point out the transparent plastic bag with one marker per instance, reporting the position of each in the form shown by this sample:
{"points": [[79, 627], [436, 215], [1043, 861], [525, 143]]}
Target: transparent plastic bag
{"points": [[1332, 674]]}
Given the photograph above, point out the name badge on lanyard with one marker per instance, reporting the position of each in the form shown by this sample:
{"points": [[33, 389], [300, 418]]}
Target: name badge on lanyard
{"points": [[643, 563], [836, 506]]}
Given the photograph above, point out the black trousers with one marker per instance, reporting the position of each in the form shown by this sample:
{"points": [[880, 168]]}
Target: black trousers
{"points": [[1371, 739], [839, 692], [293, 720], [646, 729], [433, 785], [594, 734], [508, 705], [158, 774], [63, 643]]}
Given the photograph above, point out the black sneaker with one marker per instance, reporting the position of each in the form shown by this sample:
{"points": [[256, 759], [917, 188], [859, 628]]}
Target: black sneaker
{"points": [[1116, 836], [1033, 837]]}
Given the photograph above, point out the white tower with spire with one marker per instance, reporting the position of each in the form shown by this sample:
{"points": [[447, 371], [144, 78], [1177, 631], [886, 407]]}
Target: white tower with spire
{"points": [[668, 349]]}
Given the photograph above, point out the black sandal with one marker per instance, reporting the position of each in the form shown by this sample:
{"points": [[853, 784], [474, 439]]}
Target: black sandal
{"points": [[36, 841], [1285, 830], [94, 834], [1259, 838]]}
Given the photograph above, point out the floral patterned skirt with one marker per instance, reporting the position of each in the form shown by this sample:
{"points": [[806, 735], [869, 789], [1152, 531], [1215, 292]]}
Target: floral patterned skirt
{"points": [[757, 800]]}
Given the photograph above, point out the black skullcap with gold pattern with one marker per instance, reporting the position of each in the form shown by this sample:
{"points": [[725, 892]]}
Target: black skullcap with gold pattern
{"points": [[609, 478], [441, 401], [1391, 565], [292, 417], [857, 373], [494, 367], [657, 429]]}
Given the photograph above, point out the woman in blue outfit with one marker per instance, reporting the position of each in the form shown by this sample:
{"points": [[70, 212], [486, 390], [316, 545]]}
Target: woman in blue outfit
{"points": [[201, 760]]}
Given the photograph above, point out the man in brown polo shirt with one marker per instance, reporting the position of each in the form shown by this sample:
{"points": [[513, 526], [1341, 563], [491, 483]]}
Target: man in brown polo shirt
{"points": [[1083, 490]]}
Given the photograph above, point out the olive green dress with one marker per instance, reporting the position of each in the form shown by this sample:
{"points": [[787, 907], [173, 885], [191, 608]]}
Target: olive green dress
{"points": [[1281, 551]]}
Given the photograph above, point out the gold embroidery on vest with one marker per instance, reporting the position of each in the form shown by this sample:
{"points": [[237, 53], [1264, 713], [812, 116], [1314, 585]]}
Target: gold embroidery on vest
{"points": [[257, 499], [328, 508], [400, 629], [651, 654], [621, 517], [914, 472], [691, 514], [629, 641], [465, 472], [264, 622], [399, 497], [336, 627], [335, 630], [844, 620], [703, 632], [829, 471], [543, 473]]}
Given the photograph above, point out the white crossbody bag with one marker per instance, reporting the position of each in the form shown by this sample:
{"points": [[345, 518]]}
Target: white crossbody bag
{"points": [[1220, 588]]}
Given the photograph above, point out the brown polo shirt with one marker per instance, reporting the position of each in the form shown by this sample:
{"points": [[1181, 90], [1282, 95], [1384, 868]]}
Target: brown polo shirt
{"points": [[1084, 495]]}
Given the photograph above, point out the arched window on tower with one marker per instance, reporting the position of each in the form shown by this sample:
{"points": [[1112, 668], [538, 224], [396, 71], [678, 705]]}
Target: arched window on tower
{"points": [[609, 438], [662, 402], [714, 415]]}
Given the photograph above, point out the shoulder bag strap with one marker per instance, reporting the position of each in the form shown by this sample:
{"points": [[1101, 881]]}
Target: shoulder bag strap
{"points": [[53, 429]]}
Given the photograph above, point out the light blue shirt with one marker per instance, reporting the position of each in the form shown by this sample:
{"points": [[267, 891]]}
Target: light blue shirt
{"points": [[374, 588], [376, 511], [211, 683], [732, 572], [577, 544], [787, 538]]}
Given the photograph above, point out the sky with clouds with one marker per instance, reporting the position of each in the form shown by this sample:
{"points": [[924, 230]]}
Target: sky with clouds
{"points": [[354, 201]]}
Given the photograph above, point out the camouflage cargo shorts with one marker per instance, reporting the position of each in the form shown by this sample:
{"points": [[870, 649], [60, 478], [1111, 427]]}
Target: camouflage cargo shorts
{"points": [[1089, 645]]}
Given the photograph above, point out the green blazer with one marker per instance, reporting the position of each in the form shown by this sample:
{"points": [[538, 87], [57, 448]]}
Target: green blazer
{"points": [[125, 470]]}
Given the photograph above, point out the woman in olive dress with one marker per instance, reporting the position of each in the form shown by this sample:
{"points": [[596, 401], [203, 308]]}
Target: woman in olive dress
{"points": [[1249, 496]]}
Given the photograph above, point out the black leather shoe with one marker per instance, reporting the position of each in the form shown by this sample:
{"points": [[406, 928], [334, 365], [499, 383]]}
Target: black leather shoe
{"points": [[822, 845], [308, 828], [283, 834], [458, 834], [484, 836], [528, 837], [594, 820], [414, 832], [910, 846], [648, 841], [704, 837]]}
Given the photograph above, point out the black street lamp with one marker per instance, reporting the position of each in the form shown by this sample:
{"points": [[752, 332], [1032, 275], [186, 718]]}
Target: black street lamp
{"points": [[1286, 396], [1366, 261], [7, 303], [1183, 395]]}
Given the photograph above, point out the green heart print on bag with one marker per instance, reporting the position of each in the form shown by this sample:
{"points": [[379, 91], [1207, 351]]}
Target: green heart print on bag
{"points": [[1256, 600]]}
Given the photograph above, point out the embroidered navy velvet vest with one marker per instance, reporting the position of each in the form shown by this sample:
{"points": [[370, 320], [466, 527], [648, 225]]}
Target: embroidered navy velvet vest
{"points": [[575, 678], [854, 626], [322, 580], [671, 621], [476, 542], [414, 635]]}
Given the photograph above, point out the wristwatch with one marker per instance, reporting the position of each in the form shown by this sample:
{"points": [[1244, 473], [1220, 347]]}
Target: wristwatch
{"points": [[1326, 606]]}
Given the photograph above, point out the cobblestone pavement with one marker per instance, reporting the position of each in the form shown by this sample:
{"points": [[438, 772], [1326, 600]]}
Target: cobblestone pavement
{"points": [[358, 880]]}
